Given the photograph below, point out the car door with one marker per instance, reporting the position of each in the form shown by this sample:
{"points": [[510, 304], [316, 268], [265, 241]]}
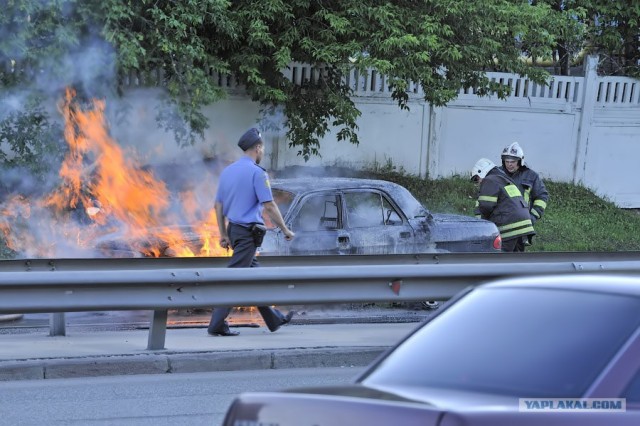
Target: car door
{"points": [[317, 223], [375, 224]]}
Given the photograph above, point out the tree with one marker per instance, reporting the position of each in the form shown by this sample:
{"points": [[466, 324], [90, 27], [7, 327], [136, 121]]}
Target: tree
{"points": [[614, 33], [444, 45], [570, 30], [610, 29]]}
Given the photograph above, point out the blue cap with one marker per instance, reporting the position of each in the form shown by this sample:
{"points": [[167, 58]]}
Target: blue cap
{"points": [[249, 139]]}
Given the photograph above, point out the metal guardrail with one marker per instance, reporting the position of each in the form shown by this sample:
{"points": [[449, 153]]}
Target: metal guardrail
{"points": [[78, 285], [69, 264]]}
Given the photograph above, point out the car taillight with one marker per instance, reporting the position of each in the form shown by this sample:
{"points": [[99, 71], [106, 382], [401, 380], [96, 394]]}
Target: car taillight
{"points": [[497, 243]]}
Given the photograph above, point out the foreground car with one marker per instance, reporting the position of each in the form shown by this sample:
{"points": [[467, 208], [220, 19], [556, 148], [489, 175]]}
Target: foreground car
{"points": [[345, 216], [500, 354]]}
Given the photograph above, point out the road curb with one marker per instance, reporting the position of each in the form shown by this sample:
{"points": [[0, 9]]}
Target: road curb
{"points": [[187, 362]]}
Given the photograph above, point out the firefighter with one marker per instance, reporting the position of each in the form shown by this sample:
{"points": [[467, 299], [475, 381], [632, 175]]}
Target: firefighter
{"points": [[500, 201], [528, 181]]}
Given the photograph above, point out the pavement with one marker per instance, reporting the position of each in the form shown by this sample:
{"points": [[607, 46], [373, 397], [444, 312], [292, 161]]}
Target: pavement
{"points": [[314, 338]]}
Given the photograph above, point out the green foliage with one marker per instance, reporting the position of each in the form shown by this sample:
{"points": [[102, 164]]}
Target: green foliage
{"points": [[575, 220], [443, 45], [570, 31], [608, 28], [32, 139], [614, 32]]}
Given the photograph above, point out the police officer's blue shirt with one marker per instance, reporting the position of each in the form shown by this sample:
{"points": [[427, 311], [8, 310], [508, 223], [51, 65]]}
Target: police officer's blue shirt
{"points": [[242, 189]]}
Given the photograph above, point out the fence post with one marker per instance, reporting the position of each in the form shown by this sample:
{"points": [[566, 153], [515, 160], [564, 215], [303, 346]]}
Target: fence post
{"points": [[586, 116], [433, 142], [423, 165]]}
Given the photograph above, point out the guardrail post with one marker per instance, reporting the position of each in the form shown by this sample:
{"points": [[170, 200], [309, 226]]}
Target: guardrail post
{"points": [[157, 330], [57, 326]]}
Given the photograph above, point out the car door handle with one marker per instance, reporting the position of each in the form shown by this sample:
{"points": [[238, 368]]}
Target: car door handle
{"points": [[343, 239], [405, 234]]}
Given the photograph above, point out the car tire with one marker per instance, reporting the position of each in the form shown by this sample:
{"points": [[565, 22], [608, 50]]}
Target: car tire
{"points": [[430, 304]]}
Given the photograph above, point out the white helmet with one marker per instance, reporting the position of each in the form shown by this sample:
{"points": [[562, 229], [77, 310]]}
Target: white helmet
{"points": [[481, 168], [513, 150]]}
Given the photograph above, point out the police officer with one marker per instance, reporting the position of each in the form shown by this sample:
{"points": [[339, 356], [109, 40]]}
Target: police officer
{"points": [[528, 181], [243, 192], [500, 201]]}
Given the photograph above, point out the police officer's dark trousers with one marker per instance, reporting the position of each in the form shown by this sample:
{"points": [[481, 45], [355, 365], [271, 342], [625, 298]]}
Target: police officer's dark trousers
{"points": [[244, 256]]}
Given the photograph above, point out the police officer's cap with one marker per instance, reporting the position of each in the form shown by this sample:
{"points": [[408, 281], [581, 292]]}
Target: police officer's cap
{"points": [[249, 139]]}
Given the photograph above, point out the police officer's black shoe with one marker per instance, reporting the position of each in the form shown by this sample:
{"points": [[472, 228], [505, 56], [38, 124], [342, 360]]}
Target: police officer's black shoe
{"points": [[285, 320], [223, 333]]}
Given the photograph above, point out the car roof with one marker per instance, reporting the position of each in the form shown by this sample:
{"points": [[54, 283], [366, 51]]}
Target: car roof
{"points": [[623, 283], [401, 195], [326, 183]]}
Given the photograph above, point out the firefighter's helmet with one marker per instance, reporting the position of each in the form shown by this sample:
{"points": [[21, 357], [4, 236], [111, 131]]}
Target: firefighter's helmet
{"points": [[513, 151], [481, 168]]}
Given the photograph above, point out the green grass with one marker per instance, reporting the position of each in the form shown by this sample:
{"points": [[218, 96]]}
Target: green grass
{"points": [[576, 219]]}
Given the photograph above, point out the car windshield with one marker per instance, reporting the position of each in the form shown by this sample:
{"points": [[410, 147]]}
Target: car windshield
{"points": [[514, 342]]}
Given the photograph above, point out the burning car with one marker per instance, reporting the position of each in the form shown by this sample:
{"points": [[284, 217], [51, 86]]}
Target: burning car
{"points": [[343, 216]]}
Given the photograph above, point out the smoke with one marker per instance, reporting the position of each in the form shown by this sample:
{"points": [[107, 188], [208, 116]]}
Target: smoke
{"points": [[33, 143], [90, 68]]}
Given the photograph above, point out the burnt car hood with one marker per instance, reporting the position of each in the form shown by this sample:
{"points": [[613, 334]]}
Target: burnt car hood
{"points": [[122, 244], [453, 227]]}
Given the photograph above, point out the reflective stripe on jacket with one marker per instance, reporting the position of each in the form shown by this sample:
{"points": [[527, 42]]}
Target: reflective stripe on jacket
{"points": [[532, 188], [500, 201]]}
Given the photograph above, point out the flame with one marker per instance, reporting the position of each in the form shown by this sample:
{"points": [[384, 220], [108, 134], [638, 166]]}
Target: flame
{"points": [[112, 192]]}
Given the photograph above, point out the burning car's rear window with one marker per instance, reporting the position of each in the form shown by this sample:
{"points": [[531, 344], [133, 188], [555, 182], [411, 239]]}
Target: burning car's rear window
{"points": [[283, 199]]}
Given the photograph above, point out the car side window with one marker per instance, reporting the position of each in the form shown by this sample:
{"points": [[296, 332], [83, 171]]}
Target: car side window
{"points": [[366, 209], [632, 393], [317, 212], [391, 215]]}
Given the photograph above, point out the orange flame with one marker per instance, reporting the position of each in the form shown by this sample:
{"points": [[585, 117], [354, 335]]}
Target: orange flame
{"points": [[115, 193]]}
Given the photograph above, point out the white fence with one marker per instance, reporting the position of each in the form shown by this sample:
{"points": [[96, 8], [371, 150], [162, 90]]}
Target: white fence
{"points": [[576, 129]]}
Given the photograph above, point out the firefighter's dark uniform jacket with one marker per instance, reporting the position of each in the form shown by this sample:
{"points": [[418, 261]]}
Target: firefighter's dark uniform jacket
{"points": [[532, 188], [500, 201]]}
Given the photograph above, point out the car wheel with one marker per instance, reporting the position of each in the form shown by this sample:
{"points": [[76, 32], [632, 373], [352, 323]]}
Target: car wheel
{"points": [[430, 304]]}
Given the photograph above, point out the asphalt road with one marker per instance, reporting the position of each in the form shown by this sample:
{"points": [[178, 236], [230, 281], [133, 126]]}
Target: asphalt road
{"points": [[155, 400]]}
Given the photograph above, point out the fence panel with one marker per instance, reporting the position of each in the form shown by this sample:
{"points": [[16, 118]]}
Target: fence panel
{"points": [[618, 91]]}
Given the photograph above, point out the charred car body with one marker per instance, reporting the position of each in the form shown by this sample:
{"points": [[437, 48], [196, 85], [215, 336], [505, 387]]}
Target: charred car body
{"points": [[349, 216], [367, 216]]}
